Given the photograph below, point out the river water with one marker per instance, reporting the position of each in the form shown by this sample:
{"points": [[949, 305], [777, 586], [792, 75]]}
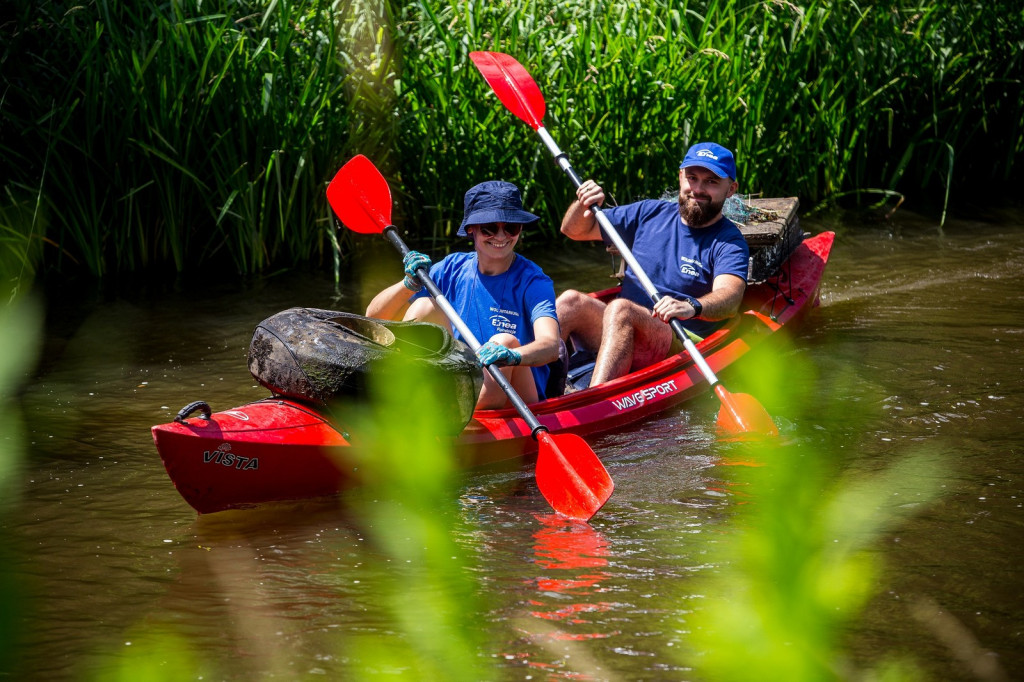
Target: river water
{"points": [[916, 349]]}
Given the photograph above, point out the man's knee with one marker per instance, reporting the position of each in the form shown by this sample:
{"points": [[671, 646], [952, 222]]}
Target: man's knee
{"points": [[575, 312], [569, 303], [622, 311]]}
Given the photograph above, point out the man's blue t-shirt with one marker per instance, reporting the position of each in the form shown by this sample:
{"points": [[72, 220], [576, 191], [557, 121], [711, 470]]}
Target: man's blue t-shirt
{"points": [[491, 304], [679, 259]]}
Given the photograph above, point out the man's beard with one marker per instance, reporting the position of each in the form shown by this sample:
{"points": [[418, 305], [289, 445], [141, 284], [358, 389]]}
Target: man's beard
{"points": [[696, 214]]}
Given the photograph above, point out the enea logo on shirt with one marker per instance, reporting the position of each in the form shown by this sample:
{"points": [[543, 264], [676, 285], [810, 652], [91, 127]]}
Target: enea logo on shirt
{"points": [[689, 267], [502, 324]]}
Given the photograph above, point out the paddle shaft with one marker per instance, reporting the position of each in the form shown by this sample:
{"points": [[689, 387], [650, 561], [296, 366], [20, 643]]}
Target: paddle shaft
{"points": [[606, 226], [391, 234]]}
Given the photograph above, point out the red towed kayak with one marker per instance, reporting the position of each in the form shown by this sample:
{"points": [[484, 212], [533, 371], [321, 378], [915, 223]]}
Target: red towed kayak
{"points": [[280, 449]]}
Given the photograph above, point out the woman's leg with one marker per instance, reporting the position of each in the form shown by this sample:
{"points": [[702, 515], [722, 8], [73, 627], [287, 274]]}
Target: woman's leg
{"points": [[521, 378], [425, 310]]}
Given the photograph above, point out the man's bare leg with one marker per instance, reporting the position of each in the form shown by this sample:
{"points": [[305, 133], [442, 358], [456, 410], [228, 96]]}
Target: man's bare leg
{"points": [[631, 339], [581, 317]]}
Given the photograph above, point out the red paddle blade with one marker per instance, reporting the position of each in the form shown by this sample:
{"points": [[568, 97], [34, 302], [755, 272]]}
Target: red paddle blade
{"points": [[512, 84], [360, 197], [743, 414], [570, 476]]}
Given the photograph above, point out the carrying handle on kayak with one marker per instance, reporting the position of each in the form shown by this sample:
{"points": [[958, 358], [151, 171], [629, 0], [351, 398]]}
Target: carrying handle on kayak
{"points": [[185, 412]]}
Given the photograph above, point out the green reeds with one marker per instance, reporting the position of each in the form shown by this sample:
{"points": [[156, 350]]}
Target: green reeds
{"points": [[817, 99], [180, 134], [184, 134], [21, 230]]}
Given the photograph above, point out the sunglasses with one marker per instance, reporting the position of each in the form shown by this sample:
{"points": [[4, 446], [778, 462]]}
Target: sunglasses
{"points": [[491, 229]]}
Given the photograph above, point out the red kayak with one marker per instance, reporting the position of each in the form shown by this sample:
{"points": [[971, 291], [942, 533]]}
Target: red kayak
{"points": [[283, 449]]}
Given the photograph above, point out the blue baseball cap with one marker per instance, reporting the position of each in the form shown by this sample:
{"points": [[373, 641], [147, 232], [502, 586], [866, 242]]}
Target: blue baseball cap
{"points": [[494, 201], [714, 157]]}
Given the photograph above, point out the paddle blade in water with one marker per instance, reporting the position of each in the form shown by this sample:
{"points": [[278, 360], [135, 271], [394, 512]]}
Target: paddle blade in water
{"points": [[570, 476], [513, 85], [360, 197], [742, 414]]}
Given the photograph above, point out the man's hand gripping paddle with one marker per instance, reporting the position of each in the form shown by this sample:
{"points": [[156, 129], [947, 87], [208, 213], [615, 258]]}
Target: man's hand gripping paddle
{"points": [[740, 413], [569, 474]]}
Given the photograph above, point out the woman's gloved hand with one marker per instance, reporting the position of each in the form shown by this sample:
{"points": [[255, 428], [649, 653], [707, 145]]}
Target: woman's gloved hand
{"points": [[413, 261], [496, 354]]}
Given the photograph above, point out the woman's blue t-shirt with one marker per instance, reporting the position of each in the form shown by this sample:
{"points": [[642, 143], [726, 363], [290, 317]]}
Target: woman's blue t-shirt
{"points": [[491, 304]]}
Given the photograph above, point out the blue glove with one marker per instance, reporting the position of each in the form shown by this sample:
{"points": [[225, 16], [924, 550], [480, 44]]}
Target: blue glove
{"points": [[413, 261], [496, 354]]}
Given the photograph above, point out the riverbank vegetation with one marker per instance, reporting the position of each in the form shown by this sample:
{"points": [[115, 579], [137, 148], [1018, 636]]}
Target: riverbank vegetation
{"points": [[173, 136]]}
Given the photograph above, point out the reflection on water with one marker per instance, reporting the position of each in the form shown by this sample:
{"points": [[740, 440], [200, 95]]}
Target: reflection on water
{"points": [[568, 596], [917, 345], [579, 550]]}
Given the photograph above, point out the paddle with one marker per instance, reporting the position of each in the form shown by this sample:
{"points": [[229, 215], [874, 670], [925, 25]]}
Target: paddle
{"points": [[569, 474], [740, 413]]}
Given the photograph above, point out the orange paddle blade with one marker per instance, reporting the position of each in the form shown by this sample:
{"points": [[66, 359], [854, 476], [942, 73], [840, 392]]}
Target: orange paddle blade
{"points": [[513, 85], [570, 476], [743, 414], [360, 197]]}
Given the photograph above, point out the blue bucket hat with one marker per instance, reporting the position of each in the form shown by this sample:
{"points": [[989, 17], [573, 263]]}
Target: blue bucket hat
{"points": [[494, 201], [714, 157]]}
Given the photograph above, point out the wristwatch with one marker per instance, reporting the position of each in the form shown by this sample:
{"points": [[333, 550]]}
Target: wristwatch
{"points": [[697, 307]]}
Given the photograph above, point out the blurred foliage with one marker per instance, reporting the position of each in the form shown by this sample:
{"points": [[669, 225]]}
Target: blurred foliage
{"points": [[797, 568], [151, 655], [20, 324], [411, 479], [798, 561]]}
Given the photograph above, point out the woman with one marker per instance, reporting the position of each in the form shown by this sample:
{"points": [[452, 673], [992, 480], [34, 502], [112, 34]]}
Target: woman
{"points": [[506, 300]]}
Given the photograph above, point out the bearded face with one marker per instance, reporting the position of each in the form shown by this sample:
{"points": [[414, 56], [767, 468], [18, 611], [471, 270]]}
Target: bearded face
{"points": [[702, 195], [698, 213]]}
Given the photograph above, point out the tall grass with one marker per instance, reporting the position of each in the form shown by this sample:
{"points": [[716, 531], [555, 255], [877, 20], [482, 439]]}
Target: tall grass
{"points": [[180, 132], [190, 133], [818, 99]]}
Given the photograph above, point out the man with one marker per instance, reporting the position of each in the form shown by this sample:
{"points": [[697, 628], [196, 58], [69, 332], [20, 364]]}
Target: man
{"points": [[696, 258]]}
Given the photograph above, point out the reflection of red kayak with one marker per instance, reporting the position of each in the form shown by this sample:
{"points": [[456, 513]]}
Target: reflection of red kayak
{"points": [[281, 449]]}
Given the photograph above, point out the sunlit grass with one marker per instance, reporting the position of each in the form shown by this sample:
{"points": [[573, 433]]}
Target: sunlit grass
{"points": [[818, 99], [182, 133], [176, 135]]}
